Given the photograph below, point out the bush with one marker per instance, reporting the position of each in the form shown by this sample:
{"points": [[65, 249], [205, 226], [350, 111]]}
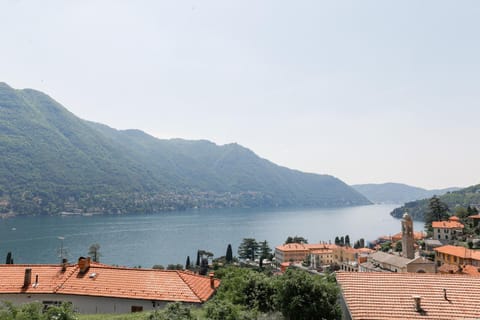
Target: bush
{"points": [[303, 296], [173, 311]]}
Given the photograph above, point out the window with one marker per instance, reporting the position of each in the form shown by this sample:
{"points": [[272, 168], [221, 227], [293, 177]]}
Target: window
{"points": [[137, 308]]}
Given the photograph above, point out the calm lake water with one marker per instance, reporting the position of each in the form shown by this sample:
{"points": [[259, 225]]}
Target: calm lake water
{"points": [[165, 238]]}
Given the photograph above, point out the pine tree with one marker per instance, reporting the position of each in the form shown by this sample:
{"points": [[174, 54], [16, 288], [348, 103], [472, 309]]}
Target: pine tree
{"points": [[229, 254], [247, 249]]}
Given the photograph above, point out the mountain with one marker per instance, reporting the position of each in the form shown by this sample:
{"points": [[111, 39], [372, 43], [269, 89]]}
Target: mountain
{"points": [[52, 161], [396, 192], [464, 197]]}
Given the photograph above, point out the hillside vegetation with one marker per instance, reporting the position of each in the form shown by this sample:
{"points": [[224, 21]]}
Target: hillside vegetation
{"points": [[397, 192], [465, 197], [52, 161]]}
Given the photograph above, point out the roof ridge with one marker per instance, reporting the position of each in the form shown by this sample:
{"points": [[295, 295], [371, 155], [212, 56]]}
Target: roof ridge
{"points": [[182, 273], [67, 276]]}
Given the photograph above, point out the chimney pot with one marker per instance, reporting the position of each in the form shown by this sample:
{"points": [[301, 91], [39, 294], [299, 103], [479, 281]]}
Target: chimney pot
{"points": [[83, 264], [212, 280], [418, 303], [28, 278]]}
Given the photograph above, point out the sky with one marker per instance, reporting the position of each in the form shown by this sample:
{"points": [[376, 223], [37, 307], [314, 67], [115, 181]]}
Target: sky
{"points": [[367, 91]]}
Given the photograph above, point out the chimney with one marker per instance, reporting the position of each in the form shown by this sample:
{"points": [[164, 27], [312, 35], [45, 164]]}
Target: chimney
{"points": [[83, 264], [418, 303], [36, 281], [64, 264], [212, 280], [28, 278]]}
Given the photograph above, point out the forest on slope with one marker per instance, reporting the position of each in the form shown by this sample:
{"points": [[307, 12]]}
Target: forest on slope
{"points": [[52, 161], [464, 197]]}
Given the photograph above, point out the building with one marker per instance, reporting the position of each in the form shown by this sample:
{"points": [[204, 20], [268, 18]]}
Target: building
{"points": [[291, 252], [383, 296], [384, 262], [321, 257], [408, 250], [99, 288], [463, 269], [457, 256], [447, 230]]}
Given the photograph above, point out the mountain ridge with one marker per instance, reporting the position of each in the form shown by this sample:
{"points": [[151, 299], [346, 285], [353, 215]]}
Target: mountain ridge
{"points": [[465, 197], [52, 161], [397, 193]]}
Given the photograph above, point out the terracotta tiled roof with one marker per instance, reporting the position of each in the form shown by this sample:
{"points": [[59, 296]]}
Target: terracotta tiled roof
{"points": [[417, 235], [460, 252], [451, 224], [292, 247], [304, 247], [476, 216], [376, 295], [465, 269], [108, 281]]}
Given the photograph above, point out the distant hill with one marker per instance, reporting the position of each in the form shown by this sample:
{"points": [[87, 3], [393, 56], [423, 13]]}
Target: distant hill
{"points": [[397, 192], [52, 161], [464, 197]]}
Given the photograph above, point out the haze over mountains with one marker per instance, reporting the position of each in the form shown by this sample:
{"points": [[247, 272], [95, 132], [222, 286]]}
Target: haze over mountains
{"points": [[397, 192], [52, 161]]}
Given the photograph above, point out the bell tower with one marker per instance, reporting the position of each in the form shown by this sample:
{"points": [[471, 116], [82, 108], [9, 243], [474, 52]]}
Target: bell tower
{"points": [[407, 237]]}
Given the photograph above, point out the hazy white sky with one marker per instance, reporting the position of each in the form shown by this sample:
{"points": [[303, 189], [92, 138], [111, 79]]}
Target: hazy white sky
{"points": [[367, 91]]}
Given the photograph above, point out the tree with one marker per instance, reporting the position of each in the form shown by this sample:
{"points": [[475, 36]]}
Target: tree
{"points": [[203, 267], [9, 259], [265, 251], [247, 249], [229, 254], [303, 296], [337, 241], [94, 252], [296, 239], [174, 310], [187, 263], [347, 240], [437, 211], [398, 246], [342, 241], [198, 259], [158, 267]]}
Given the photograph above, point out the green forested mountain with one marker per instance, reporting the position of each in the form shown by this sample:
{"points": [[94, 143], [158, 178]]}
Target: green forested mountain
{"points": [[397, 192], [465, 197], [51, 161]]}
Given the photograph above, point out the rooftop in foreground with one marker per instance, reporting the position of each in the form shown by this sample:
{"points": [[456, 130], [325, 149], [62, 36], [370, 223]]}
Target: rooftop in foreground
{"points": [[376, 295], [102, 280]]}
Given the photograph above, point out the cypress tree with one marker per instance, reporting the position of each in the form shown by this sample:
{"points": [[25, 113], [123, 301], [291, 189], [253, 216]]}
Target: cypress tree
{"points": [[187, 264], [229, 254], [198, 259], [9, 258]]}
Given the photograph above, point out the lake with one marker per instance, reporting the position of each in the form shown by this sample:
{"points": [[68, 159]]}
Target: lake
{"points": [[165, 238]]}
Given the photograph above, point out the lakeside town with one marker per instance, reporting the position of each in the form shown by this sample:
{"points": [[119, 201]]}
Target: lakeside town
{"points": [[411, 273]]}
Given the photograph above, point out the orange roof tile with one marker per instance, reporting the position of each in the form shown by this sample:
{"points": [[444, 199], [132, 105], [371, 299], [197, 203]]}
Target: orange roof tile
{"points": [[378, 295], [460, 252], [465, 269], [476, 216], [108, 281], [447, 224], [417, 235]]}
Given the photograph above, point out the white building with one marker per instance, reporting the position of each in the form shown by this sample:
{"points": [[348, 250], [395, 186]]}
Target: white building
{"points": [[99, 288]]}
